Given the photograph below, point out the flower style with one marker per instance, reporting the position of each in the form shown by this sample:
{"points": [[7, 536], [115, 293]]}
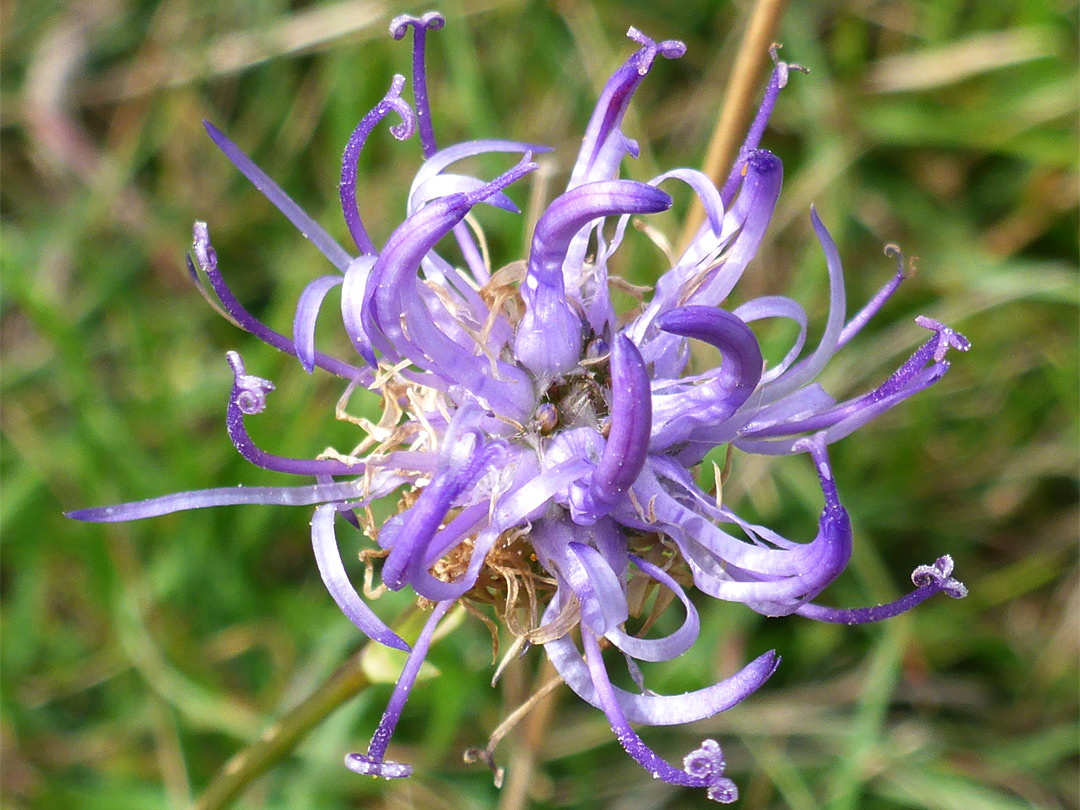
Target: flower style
{"points": [[542, 444]]}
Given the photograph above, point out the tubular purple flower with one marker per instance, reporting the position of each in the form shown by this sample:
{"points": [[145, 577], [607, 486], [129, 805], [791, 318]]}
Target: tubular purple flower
{"points": [[347, 186], [712, 265], [433, 21], [777, 82], [413, 535], [393, 302], [548, 341], [704, 767], [659, 649], [543, 445], [627, 444], [874, 305], [604, 145], [678, 411], [929, 580], [373, 763], [840, 420], [235, 311], [249, 397]]}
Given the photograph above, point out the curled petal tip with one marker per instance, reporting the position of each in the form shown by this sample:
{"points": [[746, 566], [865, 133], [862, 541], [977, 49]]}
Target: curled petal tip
{"points": [[631, 423], [369, 766], [948, 338], [432, 20], [940, 576], [249, 392], [669, 48], [707, 764], [905, 267], [672, 48], [204, 251]]}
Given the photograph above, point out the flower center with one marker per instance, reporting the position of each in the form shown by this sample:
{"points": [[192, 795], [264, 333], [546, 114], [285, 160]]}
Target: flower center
{"points": [[580, 398]]}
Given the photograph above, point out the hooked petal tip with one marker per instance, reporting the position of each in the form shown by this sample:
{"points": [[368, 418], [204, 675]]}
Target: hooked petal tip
{"points": [[432, 20]]}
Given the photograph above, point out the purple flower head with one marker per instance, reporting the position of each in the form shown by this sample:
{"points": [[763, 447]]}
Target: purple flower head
{"points": [[542, 445]]}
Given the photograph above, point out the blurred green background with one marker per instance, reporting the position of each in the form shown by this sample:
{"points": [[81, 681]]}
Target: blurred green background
{"points": [[138, 658]]}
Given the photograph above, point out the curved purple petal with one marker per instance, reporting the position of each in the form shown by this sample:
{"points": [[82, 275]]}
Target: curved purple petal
{"points": [[443, 185], [930, 580], [604, 144], [435, 164], [308, 227], [627, 444], [248, 397], [723, 392], [804, 371], [349, 160], [776, 306], [328, 558], [354, 292], [548, 340], [704, 767], [307, 311], [417, 527], [600, 592], [393, 302], [671, 646], [660, 710], [207, 257]]}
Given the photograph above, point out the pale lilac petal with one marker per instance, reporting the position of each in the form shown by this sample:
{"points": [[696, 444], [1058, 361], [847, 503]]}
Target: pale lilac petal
{"points": [[804, 371], [776, 306], [434, 165], [443, 185], [704, 189], [307, 311], [601, 594], [660, 710], [355, 291], [668, 647], [328, 558], [221, 496]]}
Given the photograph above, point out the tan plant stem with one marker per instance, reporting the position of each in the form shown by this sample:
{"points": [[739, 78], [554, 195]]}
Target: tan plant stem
{"points": [[282, 737], [738, 109], [523, 760]]}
